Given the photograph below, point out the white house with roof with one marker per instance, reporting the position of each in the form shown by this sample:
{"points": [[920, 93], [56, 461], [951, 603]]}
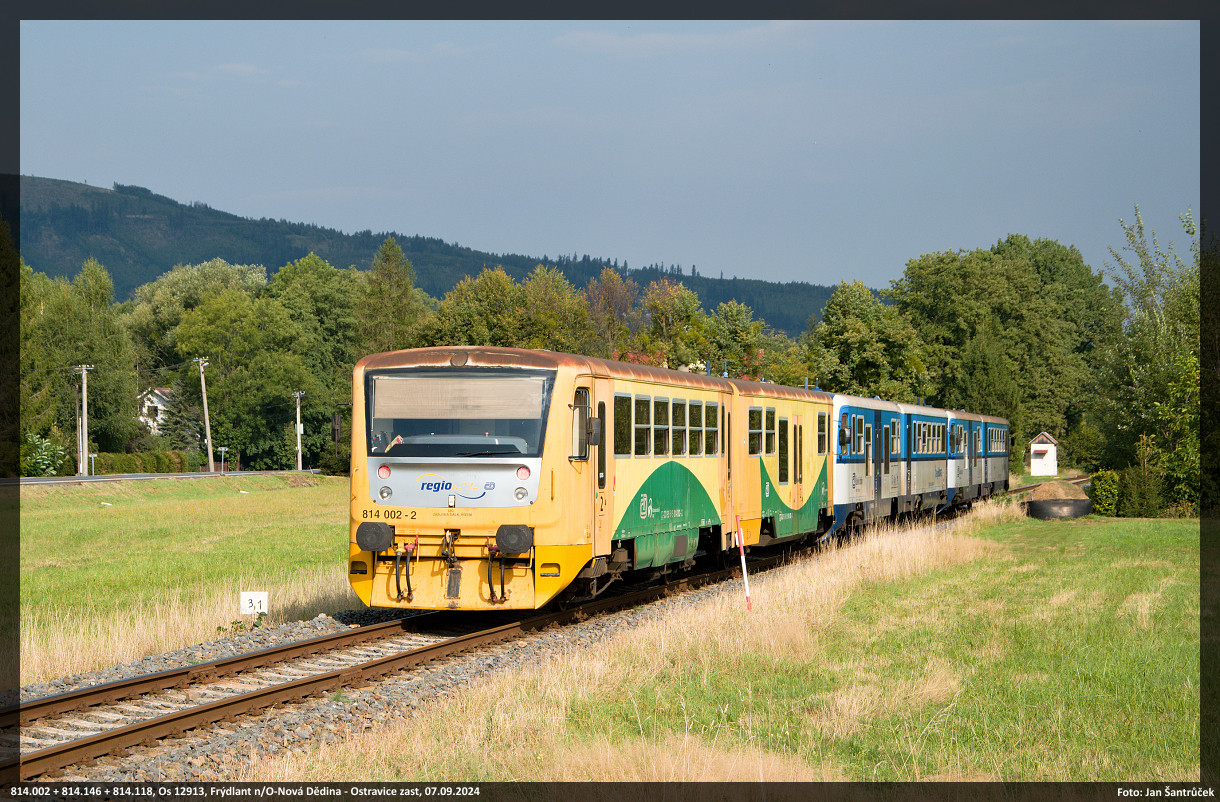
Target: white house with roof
{"points": [[152, 403], [1044, 456]]}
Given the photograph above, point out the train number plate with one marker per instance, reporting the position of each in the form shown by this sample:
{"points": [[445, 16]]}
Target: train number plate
{"points": [[453, 587]]}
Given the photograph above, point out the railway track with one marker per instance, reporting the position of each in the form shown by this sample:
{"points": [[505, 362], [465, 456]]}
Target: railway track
{"points": [[1074, 480], [60, 731]]}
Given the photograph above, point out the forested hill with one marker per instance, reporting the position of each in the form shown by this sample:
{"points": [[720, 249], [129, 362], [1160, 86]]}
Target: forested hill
{"points": [[138, 235]]}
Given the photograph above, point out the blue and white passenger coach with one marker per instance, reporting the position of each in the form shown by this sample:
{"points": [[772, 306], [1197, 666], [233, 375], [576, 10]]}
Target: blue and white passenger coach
{"points": [[895, 459]]}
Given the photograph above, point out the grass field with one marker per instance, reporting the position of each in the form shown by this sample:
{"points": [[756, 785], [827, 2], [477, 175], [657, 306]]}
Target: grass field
{"points": [[115, 571], [1009, 649]]}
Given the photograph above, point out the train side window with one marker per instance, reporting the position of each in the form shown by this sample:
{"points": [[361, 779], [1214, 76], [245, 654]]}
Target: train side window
{"points": [[643, 425], [660, 426], [896, 443], [710, 418], [886, 443], [783, 449], [580, 424], [622, 426], [754, 425], [859, 430], [601, 450], [821, 433], [868, 450], [770, 437], [696, 428], [679, 428]]}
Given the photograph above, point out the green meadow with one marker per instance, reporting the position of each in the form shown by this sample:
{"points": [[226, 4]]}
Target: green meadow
{"points": [[147, 566], [1011, 649]]}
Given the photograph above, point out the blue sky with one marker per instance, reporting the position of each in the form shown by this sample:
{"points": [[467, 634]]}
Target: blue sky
{"points": [[792, 151]]}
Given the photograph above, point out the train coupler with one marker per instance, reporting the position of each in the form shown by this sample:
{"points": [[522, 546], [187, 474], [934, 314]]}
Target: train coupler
{"points": [[492, 551], [401, 550]]}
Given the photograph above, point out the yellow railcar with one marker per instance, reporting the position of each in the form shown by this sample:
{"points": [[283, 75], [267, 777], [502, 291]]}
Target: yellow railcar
{"points": [[488, 478]]}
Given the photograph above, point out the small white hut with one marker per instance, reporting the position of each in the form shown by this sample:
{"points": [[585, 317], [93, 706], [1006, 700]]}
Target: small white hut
{"points": [[1044, 456], [152, 404]]}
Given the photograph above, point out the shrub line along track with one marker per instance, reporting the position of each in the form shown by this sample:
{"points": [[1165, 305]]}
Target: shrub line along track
{"points": [[49, 759]]}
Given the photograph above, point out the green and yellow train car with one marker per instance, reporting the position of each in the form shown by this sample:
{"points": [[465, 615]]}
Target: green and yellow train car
{"points": [[487, 478]]}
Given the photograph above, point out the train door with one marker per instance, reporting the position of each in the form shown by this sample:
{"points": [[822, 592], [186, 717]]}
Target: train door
{"points": [[968, 454], [602, 475], [908, 450], [887, 434], [976, 455], [722, 448], [798, 475]]}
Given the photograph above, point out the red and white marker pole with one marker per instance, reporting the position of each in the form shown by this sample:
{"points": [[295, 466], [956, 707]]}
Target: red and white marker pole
{"points": [[741, 546]]}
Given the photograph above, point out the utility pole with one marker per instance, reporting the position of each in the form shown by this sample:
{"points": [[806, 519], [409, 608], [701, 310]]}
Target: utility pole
{"points": [[83, 441], [207, 423], [298, 395]]}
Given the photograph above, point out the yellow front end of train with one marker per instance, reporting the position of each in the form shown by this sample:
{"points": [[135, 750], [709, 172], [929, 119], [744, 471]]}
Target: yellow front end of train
{"points": [[468, 487]]}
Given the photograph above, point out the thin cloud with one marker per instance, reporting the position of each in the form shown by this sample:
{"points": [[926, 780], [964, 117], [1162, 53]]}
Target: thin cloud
{"points": [[398, 56], [650, 45], [240, 70]]}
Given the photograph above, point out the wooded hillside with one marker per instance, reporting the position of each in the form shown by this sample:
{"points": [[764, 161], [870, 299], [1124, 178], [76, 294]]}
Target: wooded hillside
{"points": [[139, 235]]}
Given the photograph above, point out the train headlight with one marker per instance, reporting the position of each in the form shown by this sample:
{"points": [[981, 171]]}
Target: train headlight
{"points": [[385, 492], [523, 473], [521, 493], [384, 471]]}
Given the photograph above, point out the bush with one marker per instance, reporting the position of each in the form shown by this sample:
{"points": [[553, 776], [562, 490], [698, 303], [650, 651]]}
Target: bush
{"points": [[1104, 493], [40, 456], [1139, 494], [144, 462]]}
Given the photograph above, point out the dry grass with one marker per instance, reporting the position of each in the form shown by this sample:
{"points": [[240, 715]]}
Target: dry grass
{"points": [[55, 644], [545, 723]]}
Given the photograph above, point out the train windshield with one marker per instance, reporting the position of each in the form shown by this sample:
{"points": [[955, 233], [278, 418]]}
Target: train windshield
{"points": [[458, 413]]}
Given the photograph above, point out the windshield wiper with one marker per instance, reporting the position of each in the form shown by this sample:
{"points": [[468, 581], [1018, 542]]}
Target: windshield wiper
{"points": [[488, 453]]}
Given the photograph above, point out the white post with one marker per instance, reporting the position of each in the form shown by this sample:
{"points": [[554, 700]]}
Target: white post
{"points": [[80, 449], [84, 416], [203, 361], [298, 395]]}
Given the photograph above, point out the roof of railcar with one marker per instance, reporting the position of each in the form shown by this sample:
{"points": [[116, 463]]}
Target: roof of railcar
{"points": [[485, 356]]}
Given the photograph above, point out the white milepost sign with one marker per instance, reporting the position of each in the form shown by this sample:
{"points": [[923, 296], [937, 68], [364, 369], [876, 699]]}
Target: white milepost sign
{"points": [[253, 602]]}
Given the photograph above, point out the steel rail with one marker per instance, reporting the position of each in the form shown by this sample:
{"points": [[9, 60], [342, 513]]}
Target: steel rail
{"points": [[69, 701], [50, 758]]}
